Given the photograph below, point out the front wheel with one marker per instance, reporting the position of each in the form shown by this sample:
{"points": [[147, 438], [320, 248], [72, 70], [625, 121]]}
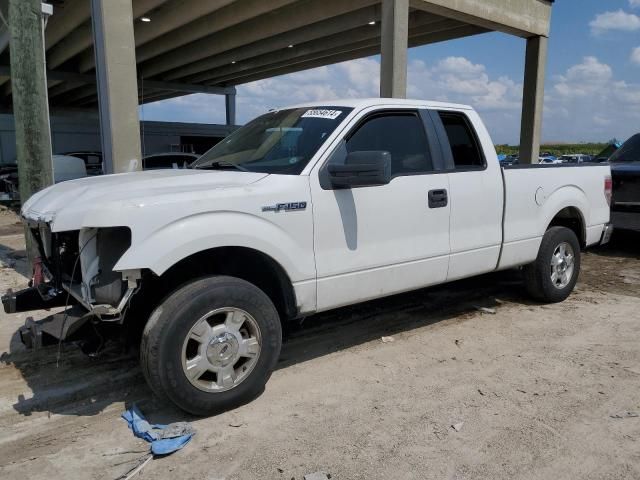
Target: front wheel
{"points": [[211, 345], [554, 273]]}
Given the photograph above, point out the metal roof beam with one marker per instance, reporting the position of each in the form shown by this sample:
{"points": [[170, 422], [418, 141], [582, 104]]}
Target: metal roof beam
{"points": [[81, 38], [346, 41], [359, 52], [525, 18], [202, 69], [279, 21], [65, 19]]}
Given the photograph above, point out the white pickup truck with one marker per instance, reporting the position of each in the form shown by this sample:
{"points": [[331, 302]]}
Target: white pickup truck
{"points": [[303, 209]]}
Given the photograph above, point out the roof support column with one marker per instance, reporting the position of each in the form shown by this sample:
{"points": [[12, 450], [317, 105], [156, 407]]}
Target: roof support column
{"points": [[394, 44], [117, 84], [533, 99], [230, 107]]}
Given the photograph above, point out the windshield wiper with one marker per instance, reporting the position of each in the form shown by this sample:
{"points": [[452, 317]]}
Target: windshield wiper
{"points": [[220, 165]]}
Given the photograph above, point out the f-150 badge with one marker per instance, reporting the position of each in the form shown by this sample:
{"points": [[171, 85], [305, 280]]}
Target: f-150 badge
{"points": [[285, 207]]}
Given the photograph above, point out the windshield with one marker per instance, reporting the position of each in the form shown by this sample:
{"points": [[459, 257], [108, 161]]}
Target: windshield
{"points": [[282, 141], [628, 152]]}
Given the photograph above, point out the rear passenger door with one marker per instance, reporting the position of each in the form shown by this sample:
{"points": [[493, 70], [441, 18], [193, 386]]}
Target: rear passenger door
{"points": [[476, 194]]}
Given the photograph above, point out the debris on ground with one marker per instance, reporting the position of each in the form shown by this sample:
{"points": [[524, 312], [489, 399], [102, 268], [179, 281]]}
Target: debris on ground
{"points": [[135, 470], [164, 439], [236, 424], [625, 415], [491, 311], [317, 476], [457, 426], [458, 342], [481, 392], [387, 339]]}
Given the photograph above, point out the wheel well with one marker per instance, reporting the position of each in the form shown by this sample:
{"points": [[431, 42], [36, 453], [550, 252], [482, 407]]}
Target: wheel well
{"points": [[251, 265], [248, 264], [571, 218]]}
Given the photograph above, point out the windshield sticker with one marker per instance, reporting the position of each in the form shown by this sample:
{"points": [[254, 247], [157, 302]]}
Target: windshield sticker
{"points": [[322, 113]]}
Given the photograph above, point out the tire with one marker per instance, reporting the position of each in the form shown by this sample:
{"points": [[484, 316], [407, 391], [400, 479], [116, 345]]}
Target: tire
{"points": [[207, 324], [539, 277]]}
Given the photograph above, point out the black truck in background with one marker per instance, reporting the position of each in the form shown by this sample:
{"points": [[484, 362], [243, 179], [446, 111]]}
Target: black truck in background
{"points": [[625, 172]]}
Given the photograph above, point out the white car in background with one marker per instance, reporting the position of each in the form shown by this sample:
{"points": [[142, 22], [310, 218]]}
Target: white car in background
{"points": [[575, 158], [549, 160], [65, 167]]}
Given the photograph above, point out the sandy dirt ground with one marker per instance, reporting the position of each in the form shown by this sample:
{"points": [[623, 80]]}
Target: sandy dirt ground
{"points": [[532, 389]]}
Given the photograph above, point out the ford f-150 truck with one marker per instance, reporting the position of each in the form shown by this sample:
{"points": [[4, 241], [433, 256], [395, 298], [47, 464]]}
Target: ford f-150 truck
{"points": [[302, 210]]}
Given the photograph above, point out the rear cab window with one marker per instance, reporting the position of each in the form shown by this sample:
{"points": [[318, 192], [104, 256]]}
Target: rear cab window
{"points": [[465, 150]]}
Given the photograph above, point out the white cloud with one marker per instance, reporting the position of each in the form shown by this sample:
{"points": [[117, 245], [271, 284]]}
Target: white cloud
{"points": [[635, 54], [587, 103], [584, 79], [634, 3], [618, 20]]}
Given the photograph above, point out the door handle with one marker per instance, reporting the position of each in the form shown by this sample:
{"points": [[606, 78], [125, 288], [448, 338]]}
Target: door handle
{"points": [[438, 198]]}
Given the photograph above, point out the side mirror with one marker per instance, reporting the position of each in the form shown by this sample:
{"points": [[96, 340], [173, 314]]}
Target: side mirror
{"points": [[362, 169]]}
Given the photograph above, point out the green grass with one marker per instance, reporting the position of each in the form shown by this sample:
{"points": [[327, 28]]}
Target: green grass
{"points": [[558, 149]]}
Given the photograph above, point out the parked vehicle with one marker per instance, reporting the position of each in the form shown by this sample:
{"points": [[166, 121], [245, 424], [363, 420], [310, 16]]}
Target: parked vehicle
{"points": [[575, 158], [510, 160], [549, 160], [168, 160], [302, 210], [92, 160], [65, 167], [625, 170]]}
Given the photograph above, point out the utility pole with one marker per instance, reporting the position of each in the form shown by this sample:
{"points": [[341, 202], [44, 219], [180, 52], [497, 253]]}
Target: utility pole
{"points": [[29, 92], [30, 103]]}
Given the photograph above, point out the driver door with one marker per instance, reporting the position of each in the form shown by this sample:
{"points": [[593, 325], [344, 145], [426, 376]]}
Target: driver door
{"points": [[380, 240]]}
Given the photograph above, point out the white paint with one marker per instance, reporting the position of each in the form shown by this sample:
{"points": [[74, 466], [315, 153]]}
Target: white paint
{"points": [[347, 245]]}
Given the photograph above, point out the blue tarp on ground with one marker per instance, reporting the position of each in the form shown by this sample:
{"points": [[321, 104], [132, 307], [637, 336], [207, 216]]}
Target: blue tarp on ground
{"points": [[164, 439]]}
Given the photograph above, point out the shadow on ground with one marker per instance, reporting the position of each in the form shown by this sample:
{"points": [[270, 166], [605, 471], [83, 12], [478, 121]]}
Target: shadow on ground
{"points": [[79, 385], [624, 244]]}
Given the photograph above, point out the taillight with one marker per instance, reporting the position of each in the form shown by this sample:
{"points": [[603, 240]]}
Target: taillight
{"points": [[608, 189]]}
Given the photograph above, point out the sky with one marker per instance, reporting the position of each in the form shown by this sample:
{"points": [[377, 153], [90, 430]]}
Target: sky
{"points": [[592, 88]]}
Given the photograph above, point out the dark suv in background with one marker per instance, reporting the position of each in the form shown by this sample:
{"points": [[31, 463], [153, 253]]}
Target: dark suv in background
{"points": [[625, 172]]}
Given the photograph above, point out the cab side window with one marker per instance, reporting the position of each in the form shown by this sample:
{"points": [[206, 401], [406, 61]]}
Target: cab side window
{"points": [[463, 141], [401, 134]]}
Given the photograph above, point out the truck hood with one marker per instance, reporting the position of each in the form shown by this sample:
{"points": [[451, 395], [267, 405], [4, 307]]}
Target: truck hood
{"points": [[79, 197]]}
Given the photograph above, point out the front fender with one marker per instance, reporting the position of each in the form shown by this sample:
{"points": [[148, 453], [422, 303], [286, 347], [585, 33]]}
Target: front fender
{"points": [[292, 247]]}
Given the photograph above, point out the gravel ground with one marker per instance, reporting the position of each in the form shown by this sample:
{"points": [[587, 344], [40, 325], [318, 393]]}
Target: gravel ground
{"points": [[532, 390]]}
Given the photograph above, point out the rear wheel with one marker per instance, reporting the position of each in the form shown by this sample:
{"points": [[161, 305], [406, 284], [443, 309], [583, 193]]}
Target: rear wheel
{"points": [[554, 273], [211, 345]]}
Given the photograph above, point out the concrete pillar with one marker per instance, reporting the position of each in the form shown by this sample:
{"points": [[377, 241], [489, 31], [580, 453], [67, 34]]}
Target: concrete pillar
{"points": [[393, 48], [230, 107], [533, 99], [117, 84]]}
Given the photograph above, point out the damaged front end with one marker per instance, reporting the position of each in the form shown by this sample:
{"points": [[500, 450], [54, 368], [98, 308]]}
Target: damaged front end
{"points": [[75, 271]]}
